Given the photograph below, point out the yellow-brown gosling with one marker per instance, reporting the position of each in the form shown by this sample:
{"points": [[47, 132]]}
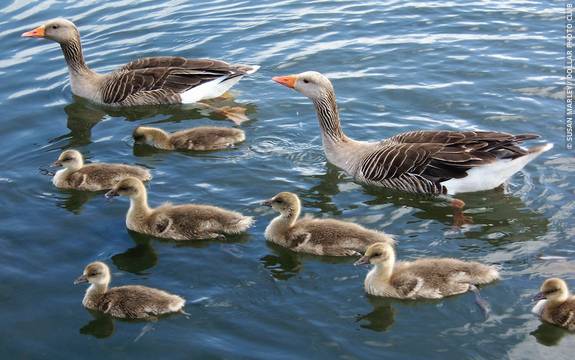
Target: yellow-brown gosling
{"points": [[92, 177], [555, 304], [317, 236], [200, 138], [130, 301], [431, 278], [177, 222]]}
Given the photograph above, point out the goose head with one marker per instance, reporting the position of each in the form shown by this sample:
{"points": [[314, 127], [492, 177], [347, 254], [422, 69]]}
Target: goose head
{"points": [[378, 254], [96, 273], [310, 83], [130, 187], [554, 290], [286, 203], [58, 30], [70, 159]]}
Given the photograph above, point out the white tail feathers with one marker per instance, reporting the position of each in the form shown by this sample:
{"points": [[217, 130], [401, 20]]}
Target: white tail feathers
{"points": [[541, 148]]}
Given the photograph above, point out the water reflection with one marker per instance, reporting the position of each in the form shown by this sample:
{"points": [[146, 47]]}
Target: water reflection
{"points": [[139, 258], [101, 326], [74, 200], [549, 335], [381, 318]]}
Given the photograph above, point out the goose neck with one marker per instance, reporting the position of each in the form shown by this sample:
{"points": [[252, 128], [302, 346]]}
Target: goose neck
{"points": [[72, 50], [328, 117]]}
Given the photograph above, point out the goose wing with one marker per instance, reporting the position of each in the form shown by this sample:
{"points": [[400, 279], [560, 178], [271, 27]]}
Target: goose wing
{"points": [[165, 76], [419, 161]]}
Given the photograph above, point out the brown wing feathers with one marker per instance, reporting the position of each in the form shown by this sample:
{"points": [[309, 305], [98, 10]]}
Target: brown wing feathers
{"points": [[172, 75], [436, 156]]}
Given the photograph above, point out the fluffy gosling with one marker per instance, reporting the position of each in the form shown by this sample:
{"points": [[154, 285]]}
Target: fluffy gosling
{"points": [[555, 304], [317, 236], [176, 222], [200, 138], [431, 278], [130, 301], [92, 177]]}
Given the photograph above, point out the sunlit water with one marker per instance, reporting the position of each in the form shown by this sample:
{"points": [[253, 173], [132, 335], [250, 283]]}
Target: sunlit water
{"points": [[396, 66]]}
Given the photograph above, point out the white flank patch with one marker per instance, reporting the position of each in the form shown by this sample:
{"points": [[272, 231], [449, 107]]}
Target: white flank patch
{"points": [[211, 89], [490, 176]]}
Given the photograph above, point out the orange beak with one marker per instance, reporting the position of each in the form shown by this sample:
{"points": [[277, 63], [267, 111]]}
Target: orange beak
{"points": [[39, 32], [288, 81]]}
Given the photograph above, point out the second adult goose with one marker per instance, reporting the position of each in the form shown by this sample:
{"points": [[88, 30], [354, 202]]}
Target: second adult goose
{"points": [[147, 81], [92, 177], [431, 278], [176, 222], [317, 236], [200, 138], [433, 162]]}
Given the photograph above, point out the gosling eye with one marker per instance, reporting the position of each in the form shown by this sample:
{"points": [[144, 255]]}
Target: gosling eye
{"points": [[279, 201], [123, 188], [377, 254], [67, 159], [92, 274]]}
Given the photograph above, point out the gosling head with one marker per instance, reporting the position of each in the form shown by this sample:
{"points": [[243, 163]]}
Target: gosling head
{"points": [[144, 134], [286, 203], [70, 159], [96, 273], [378, 254], [58, 30], [130, 187], [310, 83], [553, 289]]}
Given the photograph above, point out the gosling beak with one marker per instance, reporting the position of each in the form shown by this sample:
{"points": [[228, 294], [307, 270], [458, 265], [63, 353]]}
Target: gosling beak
{"points": [[57, 163], [80, 280], [111, 194], [267, 203], [364, 260], [39, 32], [288, 81], [539, 296]]}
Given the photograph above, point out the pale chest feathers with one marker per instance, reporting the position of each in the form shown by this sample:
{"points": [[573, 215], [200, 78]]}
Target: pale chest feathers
{"points": [[85, 86], [135, 217], [277, 231], [346, 155], [59, 178], [375, 284]]}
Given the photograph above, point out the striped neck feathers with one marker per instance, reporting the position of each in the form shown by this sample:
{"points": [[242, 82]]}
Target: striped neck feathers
{"points": [[72, 50], [328, 117]]}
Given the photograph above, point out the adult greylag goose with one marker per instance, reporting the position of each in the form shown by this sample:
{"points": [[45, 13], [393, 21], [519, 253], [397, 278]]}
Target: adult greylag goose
{"points": [[199, 138], [317, 236], [147, 81], [130, 301], [176, 222], [432, 162], [92, 177], [555, 304], [430, 278]]}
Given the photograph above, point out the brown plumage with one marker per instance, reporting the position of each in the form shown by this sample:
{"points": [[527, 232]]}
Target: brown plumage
{"points": [[130, 301], [556, 305], [431, 278], [147, 81], [317, 236], [177, 222], [430, 162], [200, 138], [92, 177]]}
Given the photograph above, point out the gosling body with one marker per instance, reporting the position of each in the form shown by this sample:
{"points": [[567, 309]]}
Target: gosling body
{"points": [[317, 236], [177, 222], [432, 278], [555, 304], [131, 301], [92, 177], [200, 139]]}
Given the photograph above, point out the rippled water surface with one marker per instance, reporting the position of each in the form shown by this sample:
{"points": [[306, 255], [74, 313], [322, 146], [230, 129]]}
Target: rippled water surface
{"points": [[396, 66]]}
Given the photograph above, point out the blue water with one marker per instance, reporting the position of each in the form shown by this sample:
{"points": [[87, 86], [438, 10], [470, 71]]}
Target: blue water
{"points": [[395, 66]]}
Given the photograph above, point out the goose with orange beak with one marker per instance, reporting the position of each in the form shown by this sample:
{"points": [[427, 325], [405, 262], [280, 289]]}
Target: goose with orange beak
{"points": [[147, 81], [428, 162]]}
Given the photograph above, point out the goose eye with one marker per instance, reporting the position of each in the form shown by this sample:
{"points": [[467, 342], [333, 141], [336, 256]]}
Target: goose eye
{"points": [[279, 201], [123, 188], [306, 81], [55, 27], [66, 159], [376, 254]]}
